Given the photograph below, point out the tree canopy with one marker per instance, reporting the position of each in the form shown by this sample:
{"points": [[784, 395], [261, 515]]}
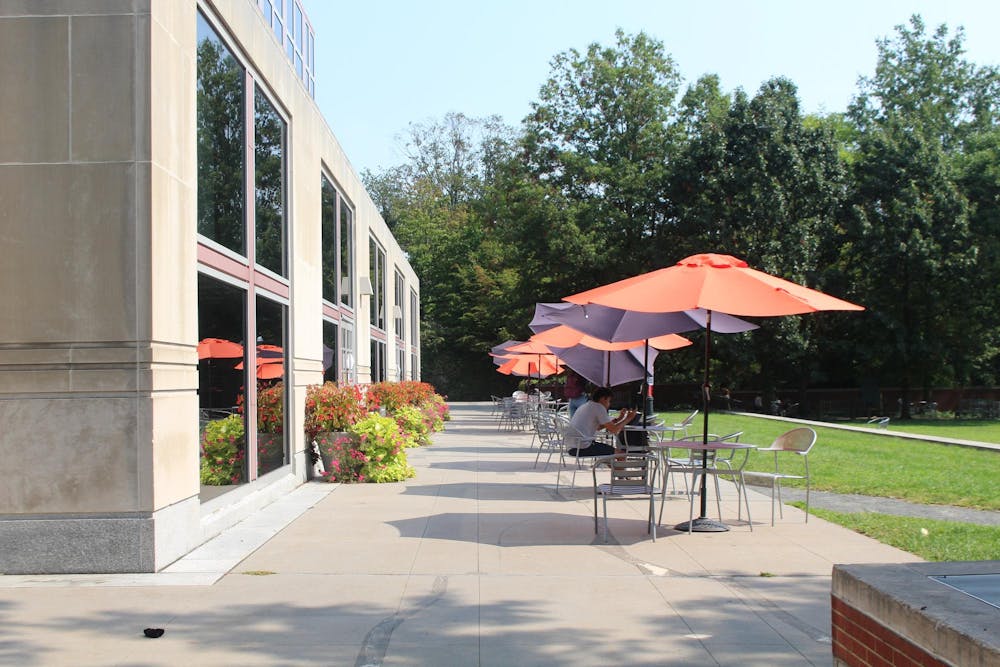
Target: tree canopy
{"points": [[619, 169]]}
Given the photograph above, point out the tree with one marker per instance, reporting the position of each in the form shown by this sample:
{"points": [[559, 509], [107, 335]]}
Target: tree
{"points": [[908, 239], [599, 135]]}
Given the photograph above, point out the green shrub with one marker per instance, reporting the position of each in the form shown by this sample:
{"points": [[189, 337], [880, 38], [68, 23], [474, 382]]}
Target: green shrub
{"points": [[223, 449], [413, 425], [373, 452]]}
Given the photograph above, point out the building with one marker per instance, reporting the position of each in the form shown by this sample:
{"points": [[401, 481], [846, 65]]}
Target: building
{"points": [[166, 178]]}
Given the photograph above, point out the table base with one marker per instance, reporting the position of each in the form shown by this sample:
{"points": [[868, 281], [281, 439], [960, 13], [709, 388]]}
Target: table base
{"points": [[703, 525]]}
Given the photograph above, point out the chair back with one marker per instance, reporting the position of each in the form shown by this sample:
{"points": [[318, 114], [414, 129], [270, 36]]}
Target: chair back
{"points": [[696, 455], [689, 419], [799, 440], [630, 472]]}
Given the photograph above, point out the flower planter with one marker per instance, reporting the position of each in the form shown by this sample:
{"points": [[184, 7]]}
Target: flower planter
{"points": [[325, 442]]}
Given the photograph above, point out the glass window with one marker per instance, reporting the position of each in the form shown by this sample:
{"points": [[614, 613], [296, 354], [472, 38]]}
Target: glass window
{"points": [[331, 341], [221, 163], [328, 239], [221, 378], [269, 191], [376, 263], [346, 255], [270, 386], [298, 27], [347, 353], [399, 293], [413, 317], [378, 361], [414, 372], [310, 57], [400, 363]]}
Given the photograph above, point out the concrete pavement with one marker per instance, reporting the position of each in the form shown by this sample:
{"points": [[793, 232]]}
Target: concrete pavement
{"points": [[479, 560]]}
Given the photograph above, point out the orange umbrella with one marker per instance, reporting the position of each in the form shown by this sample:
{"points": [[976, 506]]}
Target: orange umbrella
{"points": [[602, 362], [563, 336], [715, 283], [531, 365], [219, 348]]}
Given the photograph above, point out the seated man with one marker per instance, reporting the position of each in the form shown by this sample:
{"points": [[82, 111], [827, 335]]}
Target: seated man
{"points": [[591, 418]]}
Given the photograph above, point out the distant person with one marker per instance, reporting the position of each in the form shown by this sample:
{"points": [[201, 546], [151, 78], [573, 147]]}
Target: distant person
{"points": [[574, 391], [591, 418]]}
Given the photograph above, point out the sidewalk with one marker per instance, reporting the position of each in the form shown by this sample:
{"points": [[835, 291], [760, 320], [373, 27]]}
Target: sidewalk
{"points": [[476, 561]]}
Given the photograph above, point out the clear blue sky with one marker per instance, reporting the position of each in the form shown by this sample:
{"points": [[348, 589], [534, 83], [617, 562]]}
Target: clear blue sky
{"points": [[382, 64]]}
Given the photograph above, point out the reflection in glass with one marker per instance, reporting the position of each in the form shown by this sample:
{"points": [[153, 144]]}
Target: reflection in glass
{"points": [[271, 372], [331, 341], [221, 331], [347, 353], [220, 142], [346, 255], [413, 318], [399, 293], [269, 181], [376, 262], [378, 361], [328, 239]]}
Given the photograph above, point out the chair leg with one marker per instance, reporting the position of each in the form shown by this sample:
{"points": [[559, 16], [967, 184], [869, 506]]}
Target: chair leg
{"points": [[773, 483], [605, 519], [746, 499], [781, 509], [694, 479], [718, 500], [807, 500], [595, 510], [663, 499], [652, 511]]}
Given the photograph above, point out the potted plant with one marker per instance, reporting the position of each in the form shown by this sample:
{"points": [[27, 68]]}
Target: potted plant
{"points": [[331, 409], [371, 451]]}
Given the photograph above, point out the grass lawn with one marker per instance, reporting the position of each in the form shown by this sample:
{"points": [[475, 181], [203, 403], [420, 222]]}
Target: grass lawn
{"points": [[928, 538], [875, 465]]}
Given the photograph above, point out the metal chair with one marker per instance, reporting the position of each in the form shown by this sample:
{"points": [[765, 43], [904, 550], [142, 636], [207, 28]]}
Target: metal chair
{"points": [[797, 441], [683, 425], [631, 476]]}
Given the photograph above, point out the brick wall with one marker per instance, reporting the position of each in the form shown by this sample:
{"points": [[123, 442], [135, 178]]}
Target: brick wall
{"points": [[861, 641]]}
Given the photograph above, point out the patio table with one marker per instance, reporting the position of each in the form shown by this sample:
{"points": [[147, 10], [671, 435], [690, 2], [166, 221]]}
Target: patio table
{"points": [[701, 523]]}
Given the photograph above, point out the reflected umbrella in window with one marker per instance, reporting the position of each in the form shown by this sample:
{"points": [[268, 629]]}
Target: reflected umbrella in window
{"points": [[210, 349], [270, 362], [219, 348]]}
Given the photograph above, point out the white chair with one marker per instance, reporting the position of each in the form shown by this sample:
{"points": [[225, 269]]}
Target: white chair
{"points": [[798, 441], [631, 476], [547, 430], [683, 425]]}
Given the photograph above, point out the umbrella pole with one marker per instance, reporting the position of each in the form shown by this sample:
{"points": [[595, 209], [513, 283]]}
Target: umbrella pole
{"points": [[645, 380], [703, 524]]}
